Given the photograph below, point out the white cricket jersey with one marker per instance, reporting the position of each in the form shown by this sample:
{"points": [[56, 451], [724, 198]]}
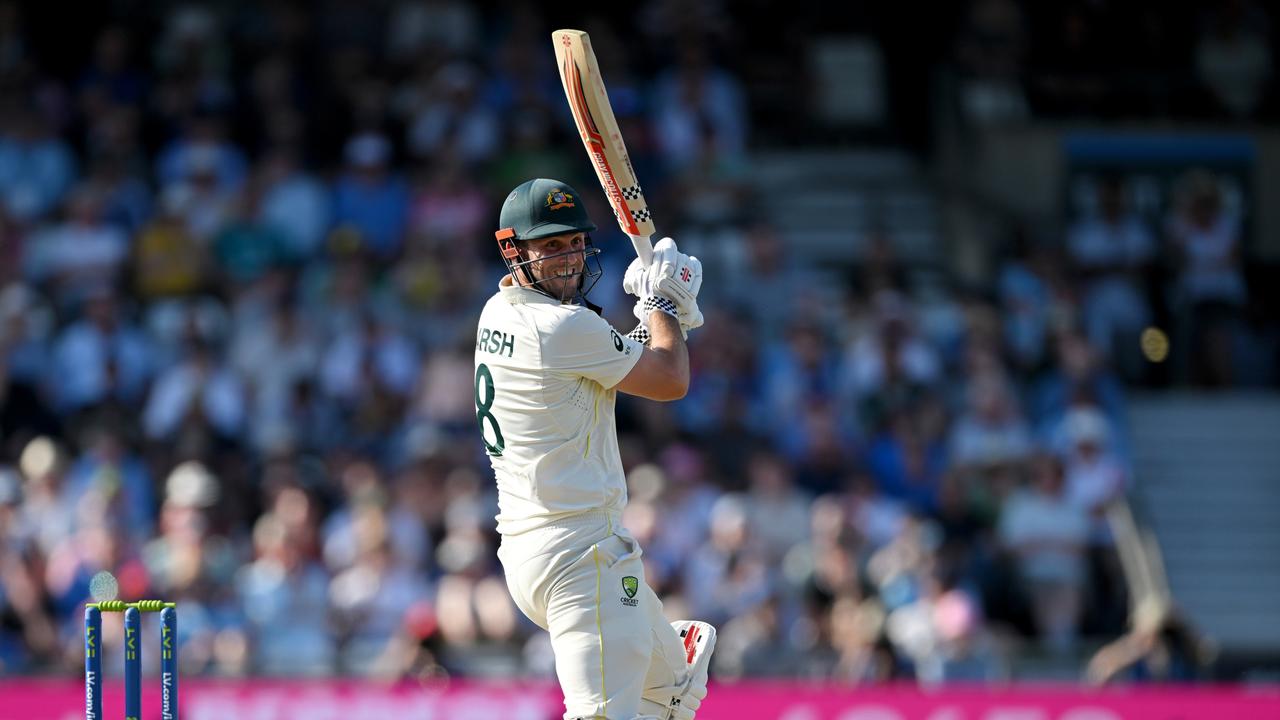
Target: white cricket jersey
{"points": [[544, 401]]}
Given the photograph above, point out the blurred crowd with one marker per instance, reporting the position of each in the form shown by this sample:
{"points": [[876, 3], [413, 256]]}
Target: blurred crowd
{"points": [[1190, 59], [243, 258]]}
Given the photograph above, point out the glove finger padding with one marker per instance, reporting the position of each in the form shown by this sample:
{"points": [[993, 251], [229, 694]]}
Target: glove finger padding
{"points": [[696, 266], [636, 280], [692, 320], [678, 277]]}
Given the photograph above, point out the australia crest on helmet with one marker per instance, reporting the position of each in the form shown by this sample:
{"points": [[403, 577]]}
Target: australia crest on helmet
{"points": [[558, 198]]}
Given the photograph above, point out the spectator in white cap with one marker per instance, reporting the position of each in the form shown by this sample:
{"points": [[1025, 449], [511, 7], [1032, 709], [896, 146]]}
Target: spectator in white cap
{"points": [[1047, 535], [1094, 476], [176, 558], [728, 575], [190, 484], [48, 510], [207, 201], [992, 430]]}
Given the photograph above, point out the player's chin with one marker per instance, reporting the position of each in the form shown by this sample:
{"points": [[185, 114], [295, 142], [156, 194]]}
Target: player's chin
{"points": [[566, 286]]}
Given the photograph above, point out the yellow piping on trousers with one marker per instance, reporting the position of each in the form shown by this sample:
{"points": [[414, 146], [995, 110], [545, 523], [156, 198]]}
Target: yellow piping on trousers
{"points": [[595, 552]]}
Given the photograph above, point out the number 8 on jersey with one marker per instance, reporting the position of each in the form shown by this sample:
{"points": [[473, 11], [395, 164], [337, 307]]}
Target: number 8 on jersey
{"points": [[484, 404]]}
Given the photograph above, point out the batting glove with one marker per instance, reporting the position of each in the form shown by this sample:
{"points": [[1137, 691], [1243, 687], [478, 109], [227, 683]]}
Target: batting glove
{"points": [[673, 277]]}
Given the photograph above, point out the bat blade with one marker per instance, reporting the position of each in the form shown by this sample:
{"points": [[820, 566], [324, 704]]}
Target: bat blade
{"points": [[589, 103]]}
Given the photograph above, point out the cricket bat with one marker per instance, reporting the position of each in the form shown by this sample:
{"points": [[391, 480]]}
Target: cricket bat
{"points": [[584, 88]]}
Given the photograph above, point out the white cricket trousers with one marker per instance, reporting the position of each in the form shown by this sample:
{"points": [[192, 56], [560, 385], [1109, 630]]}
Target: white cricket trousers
{"points": [[582, 581]]}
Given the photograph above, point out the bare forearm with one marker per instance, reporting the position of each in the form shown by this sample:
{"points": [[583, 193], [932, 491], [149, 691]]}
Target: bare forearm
{"points": [[662, 373], [666, 339]]}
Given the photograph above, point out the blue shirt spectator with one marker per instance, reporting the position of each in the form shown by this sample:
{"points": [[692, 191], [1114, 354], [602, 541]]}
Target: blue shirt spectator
{"points": [[98, 358], [370, 198], [121, 480], [202, 144], [907, 466], [294, 204], [36, 166]]}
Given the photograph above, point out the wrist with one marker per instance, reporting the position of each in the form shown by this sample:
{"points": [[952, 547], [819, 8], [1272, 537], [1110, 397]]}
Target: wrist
{"points": [[663, 326], [657, 303]]}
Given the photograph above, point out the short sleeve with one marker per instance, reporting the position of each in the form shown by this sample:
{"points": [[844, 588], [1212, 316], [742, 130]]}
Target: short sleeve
{"points": [[584, 344]]}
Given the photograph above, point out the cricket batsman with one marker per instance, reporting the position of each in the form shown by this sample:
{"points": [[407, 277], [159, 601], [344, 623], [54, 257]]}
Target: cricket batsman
{"points": [[548, 370]]}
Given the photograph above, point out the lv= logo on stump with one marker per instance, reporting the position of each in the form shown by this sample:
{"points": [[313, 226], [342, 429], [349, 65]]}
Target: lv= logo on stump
{"points": [[132, 657]]}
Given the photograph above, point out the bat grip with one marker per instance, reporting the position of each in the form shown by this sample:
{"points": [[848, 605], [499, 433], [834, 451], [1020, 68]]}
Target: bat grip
{"points": [[644, 248]]}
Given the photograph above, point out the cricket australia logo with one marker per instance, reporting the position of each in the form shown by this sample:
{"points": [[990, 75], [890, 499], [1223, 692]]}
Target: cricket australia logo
{"points": [[558, 198], [630, 585]]}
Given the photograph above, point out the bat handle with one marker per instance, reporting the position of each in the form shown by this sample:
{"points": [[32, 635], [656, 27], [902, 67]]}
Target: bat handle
{"points": [[644, 248]]}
